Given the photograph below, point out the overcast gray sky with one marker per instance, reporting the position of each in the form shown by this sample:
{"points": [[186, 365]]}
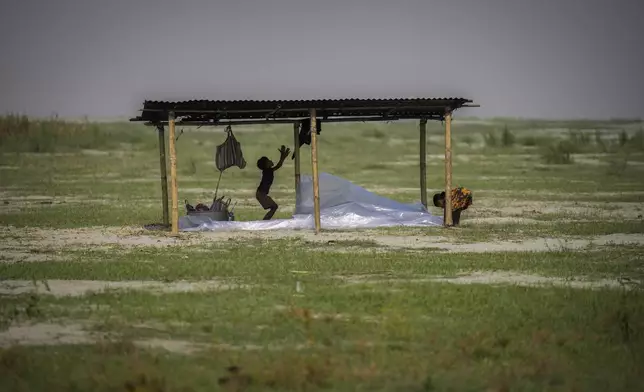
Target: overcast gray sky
{"points": [[525, 58]]}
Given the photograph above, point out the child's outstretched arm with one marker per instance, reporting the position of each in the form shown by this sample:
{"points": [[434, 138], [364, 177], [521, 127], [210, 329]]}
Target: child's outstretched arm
{"points": [[283, 154]]}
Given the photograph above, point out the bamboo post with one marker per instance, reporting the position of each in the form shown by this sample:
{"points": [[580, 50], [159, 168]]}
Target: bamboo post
{"points": [[423, 161], [314, 165], [296, 151], [173, 175], [164, 175], [448, 169]]}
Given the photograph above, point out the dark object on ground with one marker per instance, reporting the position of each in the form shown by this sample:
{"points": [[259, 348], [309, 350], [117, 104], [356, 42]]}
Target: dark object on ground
{"points": [[218, 210], [156, 227], [202, 207]]}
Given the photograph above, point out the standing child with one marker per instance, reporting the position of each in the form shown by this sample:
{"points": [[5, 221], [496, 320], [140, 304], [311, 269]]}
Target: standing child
{"points": [[461, 199], [268, 174]]}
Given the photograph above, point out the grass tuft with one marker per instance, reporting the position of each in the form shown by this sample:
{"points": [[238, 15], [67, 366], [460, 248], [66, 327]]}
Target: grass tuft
{"points": [[559, 153], [507, 137]]}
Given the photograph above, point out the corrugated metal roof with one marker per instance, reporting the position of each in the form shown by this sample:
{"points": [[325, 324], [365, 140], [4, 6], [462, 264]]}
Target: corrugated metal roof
{"points": [[401, 99], [218, 110], [306, 103]]}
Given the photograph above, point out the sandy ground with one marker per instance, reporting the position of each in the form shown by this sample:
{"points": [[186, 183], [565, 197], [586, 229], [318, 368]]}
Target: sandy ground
{"points": [[578, 210], [45, 334], [532, 245], [24, 256], [18, 248], [502, 278], [75, 288]]}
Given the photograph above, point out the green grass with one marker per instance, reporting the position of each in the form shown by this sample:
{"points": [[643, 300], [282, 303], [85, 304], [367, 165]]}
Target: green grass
{"points": [[367, 318], [394, 337], [272, 261]]}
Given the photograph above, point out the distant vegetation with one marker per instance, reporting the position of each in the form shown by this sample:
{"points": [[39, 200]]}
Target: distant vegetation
{"points": [[581, 138], [23, 134], [579, 142]]}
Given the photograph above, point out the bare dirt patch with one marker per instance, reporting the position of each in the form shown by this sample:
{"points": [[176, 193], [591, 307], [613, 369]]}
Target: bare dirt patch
{"points": [[48, 334], [329, 238], [546, 244], [22, 256], [173, 346], [506, 193], [504, 278], [23, 239], [501, 220], [440, 243], [529, 209], [45, 334], [187, 347], [118, 153], [498, 279], [593, 160], [62, 238], [75, 288]]}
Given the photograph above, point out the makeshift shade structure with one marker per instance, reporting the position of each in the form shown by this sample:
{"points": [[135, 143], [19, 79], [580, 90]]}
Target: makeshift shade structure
{"points": [[343, 205], [311, 113]]}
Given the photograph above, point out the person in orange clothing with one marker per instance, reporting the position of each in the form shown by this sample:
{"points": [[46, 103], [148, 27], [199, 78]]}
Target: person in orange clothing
{"points": [[461, 200]]}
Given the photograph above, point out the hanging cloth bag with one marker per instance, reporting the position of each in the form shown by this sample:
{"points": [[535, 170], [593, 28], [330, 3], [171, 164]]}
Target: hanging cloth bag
{"points": [[229, 153]]}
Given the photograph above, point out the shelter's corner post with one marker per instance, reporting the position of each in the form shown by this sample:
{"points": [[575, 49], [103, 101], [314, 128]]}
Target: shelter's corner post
{"points": [[173, 174], [164, 175], [448, 168], [296, 154], [423, 161], [314, 165]]}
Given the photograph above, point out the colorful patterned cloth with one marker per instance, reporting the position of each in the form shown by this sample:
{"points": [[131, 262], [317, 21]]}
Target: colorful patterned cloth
{"points": [[461, 198]]}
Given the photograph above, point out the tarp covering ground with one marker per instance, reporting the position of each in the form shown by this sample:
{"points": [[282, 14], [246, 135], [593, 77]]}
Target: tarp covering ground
{"points": [[343, 205]]}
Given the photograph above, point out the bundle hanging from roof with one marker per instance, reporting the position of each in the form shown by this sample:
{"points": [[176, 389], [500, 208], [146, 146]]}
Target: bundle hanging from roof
{"points": [[229, 153], [305, 132]]}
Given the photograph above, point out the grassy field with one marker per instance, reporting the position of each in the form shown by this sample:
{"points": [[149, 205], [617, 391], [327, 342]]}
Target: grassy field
{"points": [[539, 289]]}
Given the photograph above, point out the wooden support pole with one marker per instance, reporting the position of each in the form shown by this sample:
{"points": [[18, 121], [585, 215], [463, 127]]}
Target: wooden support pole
{"points": [[314, 165], [448, 169], [164, 176], [423, 161], [296, 151], [173, 175]]}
